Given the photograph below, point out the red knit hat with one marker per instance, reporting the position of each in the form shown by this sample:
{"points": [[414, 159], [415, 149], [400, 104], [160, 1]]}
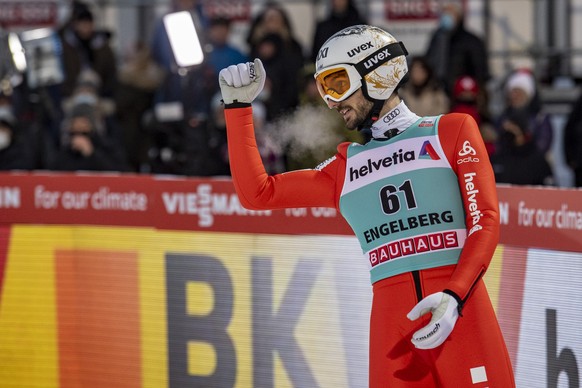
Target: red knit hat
{"points": [[466, 85]]}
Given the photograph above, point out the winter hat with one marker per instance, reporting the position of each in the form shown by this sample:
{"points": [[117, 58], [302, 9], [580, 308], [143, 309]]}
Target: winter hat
{"points": [[87, 111], [89, 79], [465, 85], [83, 14], [524, 80]]}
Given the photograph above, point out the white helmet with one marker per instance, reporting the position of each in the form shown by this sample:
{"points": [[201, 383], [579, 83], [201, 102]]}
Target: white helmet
{"points": [[360, 56]]}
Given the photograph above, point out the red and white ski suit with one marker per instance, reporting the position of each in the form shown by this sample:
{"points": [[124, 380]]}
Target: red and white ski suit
{"points": [[474, 355]]}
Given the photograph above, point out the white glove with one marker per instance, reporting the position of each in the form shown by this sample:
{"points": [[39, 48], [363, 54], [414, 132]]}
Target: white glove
{"points": [[444, 309], [242, 83]]}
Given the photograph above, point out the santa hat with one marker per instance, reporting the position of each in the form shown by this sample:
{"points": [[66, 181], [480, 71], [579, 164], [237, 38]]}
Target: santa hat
{"points": [[524, 80]]}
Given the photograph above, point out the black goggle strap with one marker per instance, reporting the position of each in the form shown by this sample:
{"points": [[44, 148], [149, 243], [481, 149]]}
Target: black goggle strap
{"points": [[371, 63], [379, 57]]}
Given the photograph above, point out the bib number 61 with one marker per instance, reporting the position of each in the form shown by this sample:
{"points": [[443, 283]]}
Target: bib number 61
{"points": [[390, 200]]}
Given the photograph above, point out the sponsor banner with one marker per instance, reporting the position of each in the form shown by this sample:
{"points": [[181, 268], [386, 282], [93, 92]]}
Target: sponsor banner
{"points": [[125, 281], [530, 216], [541, 217], [28, 13], [138, 307], [413, 10], [234, 10], [550, 345], [160, 202]]}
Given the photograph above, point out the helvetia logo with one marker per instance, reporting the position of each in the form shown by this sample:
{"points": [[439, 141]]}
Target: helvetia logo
{"points": [[428, 152], [398, 157]]}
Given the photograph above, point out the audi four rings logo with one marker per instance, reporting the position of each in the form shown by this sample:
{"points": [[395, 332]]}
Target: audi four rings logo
{"points": [[392, 115], [466, 153]]}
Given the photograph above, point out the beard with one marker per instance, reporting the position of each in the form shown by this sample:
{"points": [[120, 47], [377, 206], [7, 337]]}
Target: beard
{"points": [[356, 113]]}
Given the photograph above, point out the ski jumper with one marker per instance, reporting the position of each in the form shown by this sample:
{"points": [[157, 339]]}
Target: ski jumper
{"points": [[424, 208]]}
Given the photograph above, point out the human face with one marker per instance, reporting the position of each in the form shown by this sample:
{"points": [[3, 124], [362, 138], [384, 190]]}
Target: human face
{"points": [[218, 34], [418, 74], [517, 97], [274, 21], [80, 126], [339, 6], [85, 28], [454, 11], [353, 109]]}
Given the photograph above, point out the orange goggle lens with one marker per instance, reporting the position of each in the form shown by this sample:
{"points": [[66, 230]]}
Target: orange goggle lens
{"points": [[334, 83]]}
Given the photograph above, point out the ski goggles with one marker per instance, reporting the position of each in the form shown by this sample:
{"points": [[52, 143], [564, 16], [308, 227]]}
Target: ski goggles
{"points": [[337, 82]]}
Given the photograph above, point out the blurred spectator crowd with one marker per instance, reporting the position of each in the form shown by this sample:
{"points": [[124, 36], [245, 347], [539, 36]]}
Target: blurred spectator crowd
{"points": [[140, 113]]}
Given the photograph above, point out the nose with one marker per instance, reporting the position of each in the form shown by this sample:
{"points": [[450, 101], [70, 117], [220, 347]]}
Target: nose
{"points": [[331, 103]]}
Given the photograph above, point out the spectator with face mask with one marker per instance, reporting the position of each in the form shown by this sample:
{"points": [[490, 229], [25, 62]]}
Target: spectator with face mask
{"points": [[84, 147], [16, 151], [454, 51]]}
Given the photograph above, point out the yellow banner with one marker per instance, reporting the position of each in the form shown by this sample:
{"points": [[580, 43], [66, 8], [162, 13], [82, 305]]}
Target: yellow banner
{"points": [[129, 307]]}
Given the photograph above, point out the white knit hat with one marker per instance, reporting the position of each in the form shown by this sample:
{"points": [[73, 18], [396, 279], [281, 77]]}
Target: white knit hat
{"points": [[523, 80]]}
